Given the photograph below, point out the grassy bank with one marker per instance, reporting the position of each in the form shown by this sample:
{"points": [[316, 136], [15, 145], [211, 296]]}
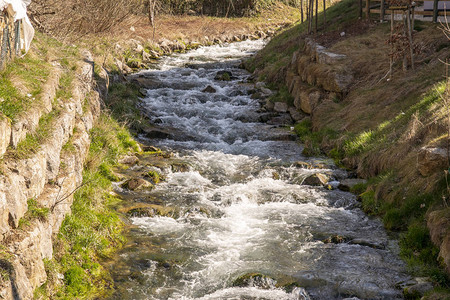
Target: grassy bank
{"points": [[93, 231]]}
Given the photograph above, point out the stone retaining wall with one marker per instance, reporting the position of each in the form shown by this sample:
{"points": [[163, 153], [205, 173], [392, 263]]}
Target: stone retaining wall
{"points": [[46, 176]]}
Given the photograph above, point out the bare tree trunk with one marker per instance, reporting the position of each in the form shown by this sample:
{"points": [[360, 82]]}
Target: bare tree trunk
{"points": [[317, 16], [405, 56], [301, 10], [324, 14], [410, 39], [391, 58], [310, 16]]}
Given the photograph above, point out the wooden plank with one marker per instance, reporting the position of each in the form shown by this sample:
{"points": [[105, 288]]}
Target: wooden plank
{"points": [[367, 8], [422, 13]]}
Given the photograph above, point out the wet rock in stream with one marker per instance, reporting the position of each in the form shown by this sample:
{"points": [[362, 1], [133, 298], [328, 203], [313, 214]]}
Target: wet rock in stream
{"points": [[137, 184], [255, 280], [140, 210]]}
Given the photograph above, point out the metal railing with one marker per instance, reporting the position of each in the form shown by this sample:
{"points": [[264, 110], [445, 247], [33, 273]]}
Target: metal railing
{"points": [[9, 37]]}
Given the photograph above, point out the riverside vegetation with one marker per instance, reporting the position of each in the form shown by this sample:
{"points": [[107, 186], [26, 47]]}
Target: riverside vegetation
{"points": [[93, 230], [381, 146], [379, 126]]}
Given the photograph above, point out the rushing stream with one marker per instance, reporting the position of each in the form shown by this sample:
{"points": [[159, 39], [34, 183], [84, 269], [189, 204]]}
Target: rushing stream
{"points": [[240, 206]]}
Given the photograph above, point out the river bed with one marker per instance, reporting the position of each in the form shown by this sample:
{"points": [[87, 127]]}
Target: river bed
{"points": [[239, 222]]}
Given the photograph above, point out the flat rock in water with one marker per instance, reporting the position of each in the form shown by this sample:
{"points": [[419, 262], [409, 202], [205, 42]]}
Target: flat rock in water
{"points": [[317, 179], [136, 183], [260, 85], [347, 184], [417, 290], [158, 134], [308, 279], [367, 243], [129, 160]]}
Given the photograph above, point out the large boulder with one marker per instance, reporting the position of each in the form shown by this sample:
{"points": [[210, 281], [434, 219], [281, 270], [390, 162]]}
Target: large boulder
{"points": [[309, 101], [280, 107], [318, 179], [431, 160]]}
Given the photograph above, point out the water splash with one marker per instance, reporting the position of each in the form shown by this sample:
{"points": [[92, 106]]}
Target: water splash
{"points": [[243, 207]]}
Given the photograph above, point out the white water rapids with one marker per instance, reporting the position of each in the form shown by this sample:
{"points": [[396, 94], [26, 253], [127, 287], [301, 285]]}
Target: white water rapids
{"points": [[243, 207]]}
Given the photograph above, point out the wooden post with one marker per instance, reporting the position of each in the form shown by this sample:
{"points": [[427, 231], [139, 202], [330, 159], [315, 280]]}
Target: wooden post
{"points": [[405, 58], [317, 16], [411, 45], [382, 11], [367, 8], [360, 9], [435, 11], [391, 58]]}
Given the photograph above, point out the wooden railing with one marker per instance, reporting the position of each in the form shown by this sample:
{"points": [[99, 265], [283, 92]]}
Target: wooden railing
{"points": [[432, 8]]}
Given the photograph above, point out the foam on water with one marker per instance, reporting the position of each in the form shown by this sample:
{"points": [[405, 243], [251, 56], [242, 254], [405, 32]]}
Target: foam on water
{"points": [[243, 208]]}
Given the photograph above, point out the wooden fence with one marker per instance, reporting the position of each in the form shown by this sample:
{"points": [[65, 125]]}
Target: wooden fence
{"points": [[9, 38], [432, 9]]}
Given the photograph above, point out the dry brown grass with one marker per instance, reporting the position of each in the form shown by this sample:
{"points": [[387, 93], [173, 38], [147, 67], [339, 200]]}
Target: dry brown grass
{"points": [[195, 28]]}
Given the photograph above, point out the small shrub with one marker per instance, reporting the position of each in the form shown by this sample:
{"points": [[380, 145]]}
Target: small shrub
{"points": [[303, 129], [393, 219], [283, 95], [76, 281], [369, 203], [359, 188]]}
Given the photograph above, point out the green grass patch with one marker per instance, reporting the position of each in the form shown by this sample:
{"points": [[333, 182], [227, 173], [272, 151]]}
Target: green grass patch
{"points": [[65, 86], [122, 100], [93, 230], [282, 95], [33, 141], [421, 255], [380, 137], [31, 72], [35, 212], [312, 139], [407, 216]]}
